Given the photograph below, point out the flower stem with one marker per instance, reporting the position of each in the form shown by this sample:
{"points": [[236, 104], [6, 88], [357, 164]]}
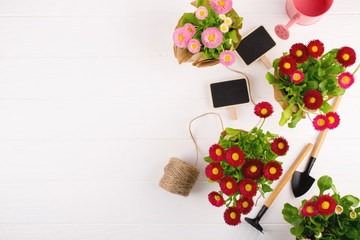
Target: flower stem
{"points": [[262, 124], [356, 69]]}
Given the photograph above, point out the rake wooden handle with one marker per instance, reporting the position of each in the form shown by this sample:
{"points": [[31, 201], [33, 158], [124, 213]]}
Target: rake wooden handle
{"points": [[322, 135], [288, 175]]}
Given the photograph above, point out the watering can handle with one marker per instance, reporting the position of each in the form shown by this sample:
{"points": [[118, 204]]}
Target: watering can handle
{"points": [[323, 134], [288, 175]]}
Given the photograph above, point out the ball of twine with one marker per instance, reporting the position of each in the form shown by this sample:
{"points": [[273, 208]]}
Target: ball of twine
{"points": [[179, 177]]}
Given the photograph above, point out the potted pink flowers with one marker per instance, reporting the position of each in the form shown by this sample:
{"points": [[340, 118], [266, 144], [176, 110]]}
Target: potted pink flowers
{"points": [[209, 35]]}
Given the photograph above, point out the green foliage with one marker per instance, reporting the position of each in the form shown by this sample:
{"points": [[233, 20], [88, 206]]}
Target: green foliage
{"points": [[332, 227], [319, 74]]}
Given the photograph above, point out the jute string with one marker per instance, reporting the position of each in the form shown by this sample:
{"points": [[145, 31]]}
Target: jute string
{"points": [[180, 177]]}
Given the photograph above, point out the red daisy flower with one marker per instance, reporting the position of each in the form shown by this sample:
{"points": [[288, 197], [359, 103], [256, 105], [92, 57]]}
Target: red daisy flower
{"points": [[228, 185], [297, 76], [326, 205], [245, 205], [217, 153], [346, 56], [216, 199], [253, 169], [313, 99], [272, 171], [320, 122], [346, 79], [310, 209], [287, 65], [248, 187], [214, 171], [315, 48], [280, 146], [333, 120], [235, 156], [298, 51], [232, 216], [263, 109]]}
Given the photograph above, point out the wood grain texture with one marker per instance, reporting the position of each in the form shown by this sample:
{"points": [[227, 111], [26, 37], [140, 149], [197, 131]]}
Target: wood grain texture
{"points": [[93, 104]]}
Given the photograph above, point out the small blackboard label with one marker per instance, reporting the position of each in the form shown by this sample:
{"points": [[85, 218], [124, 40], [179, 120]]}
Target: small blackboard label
{"points": [[255, 45], [229, 93]]}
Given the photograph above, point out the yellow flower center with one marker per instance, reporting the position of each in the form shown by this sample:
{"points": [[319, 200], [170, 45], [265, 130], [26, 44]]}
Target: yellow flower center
{"points": [[235, 156], [194, 46], [315, 49], [227, 21], [202, 13], [353, 215], [321, 122], [215, 171], [339, 209], [217, 198], [218, 152], [346, 56], [223, 28], [229, 185], [233, 215], [299, 53], [181, 37], [345, 80], [296, 77], [281, 145], [312, 100], [331, 119], [221, 3], [253, 169], [248, 187], [264, 111], [245, 204], [309, 209], [189, 29], [287, 65], [272, 170], [227, 58], [325, 205], [211, 37]]}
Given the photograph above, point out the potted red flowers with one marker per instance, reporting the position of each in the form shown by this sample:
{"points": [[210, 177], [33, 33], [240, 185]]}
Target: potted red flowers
{"points": [[209, 35], [305, 79], [243, 164], [325, 216]]}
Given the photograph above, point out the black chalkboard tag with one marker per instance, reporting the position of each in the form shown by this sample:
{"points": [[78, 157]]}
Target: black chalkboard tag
{"points": [[230, 94], [255, 45]]}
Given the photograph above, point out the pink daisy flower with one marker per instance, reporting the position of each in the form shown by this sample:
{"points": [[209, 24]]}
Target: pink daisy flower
{"points": [[191, 29], [201, 13], [333, 120], [221, 6], [224, 28], [211, 37], [194, 46], [181, 37], [346, 79], [227, 58], [320, 122], [309, 209], [297, 76], [228, 21]]}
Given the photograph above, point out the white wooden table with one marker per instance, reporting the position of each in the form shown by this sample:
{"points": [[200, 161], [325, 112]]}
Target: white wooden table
{"points": [[93, 104]]}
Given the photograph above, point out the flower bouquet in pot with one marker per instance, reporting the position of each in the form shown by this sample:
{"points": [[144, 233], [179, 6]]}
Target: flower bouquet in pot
{"points": [[209, 35], [327, 216], [244, 163], [306, 78]]}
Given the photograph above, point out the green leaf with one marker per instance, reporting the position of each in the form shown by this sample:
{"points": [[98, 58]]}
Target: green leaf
{"points": [[233, 36], [297, 231], [200, 3], [352, 233], [208, 159], [326, 107], [271, 78], [291, 214], [295, 118], [190, 18], [286, 114], [337, 92], [324, 183], [266, 188], [311, 85], [238, 22], [352, 199]]}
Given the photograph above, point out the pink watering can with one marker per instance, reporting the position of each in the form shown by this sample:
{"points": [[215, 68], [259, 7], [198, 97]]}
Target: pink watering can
{"points": [[303, 12]]}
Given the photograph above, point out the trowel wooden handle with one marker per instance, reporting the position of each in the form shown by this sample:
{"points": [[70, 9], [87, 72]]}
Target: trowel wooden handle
{"points": [[266, 62], [233, 113], [288, 175], [322, 135]]}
